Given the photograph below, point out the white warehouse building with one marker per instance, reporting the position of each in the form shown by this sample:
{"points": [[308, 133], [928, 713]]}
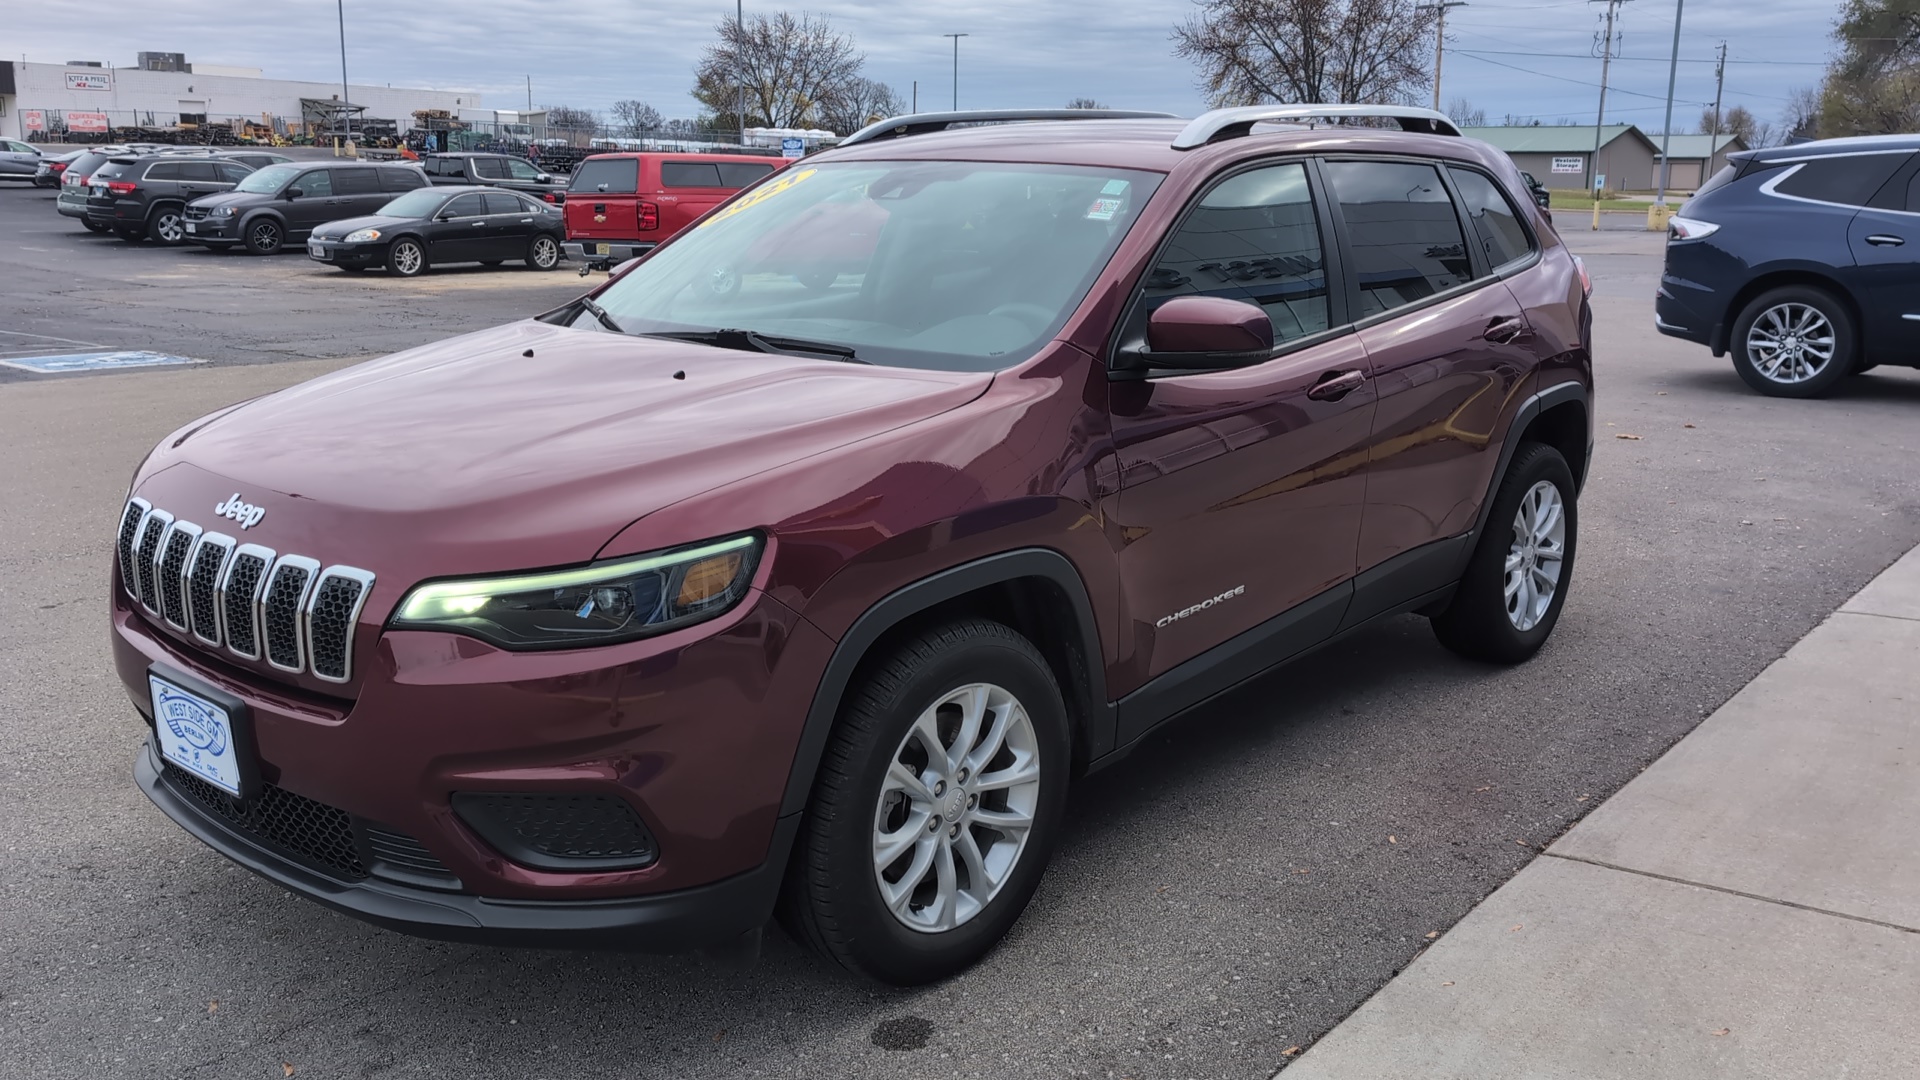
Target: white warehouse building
{"points": [[39, 102]]}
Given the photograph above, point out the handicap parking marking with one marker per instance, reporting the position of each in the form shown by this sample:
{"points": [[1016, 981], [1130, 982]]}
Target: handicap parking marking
{"points": [[93, 361]]}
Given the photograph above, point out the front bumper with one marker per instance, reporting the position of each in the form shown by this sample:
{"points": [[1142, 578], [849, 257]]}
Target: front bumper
{"points": [[662, 922], [212, 231], [341, 253], [601, 254]]}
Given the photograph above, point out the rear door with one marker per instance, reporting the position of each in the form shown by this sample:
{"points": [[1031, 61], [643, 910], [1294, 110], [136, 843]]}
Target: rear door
{"points": [[688, 188], [509, 225], [356, 190], [199, 178], [602, 198], [1448, 342], [1884, 238]]}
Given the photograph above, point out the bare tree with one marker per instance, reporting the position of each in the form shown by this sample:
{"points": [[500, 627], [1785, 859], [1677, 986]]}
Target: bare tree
{"points": [[1253, 51], [568, 119], [790, 68], [1462, 112], [1873, 81], [633, 117], [1084, 103], [859, 103]]}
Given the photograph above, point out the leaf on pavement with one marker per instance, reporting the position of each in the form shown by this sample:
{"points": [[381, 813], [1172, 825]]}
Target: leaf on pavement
{"points": [[1447, 983], [1290, 1051], [1723, 1031], [1516, 927], [1393, 839], [1624, 435], [213, 1007], [1686, 425], [286, 1068], [1431, 934]]}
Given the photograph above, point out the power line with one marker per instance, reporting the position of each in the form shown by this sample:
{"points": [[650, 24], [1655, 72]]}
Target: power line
{"points": [[1566, 79], [1643, 59]]}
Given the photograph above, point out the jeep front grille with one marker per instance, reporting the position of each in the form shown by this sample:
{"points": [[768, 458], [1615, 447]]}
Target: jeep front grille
{"points": [[257, 603]]}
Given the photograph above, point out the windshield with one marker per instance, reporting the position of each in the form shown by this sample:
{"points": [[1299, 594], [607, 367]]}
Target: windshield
{"points": [[415, 204], [964, 266], [268, 180]]}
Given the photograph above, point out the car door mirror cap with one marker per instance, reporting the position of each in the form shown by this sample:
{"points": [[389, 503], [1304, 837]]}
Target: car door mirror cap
{"points": [[1205, 327], [290, 194]]}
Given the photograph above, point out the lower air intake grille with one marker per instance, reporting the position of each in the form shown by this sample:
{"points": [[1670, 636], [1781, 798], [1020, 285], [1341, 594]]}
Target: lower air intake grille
{"points": [[402, 858], [559, 832], [311, 831]]}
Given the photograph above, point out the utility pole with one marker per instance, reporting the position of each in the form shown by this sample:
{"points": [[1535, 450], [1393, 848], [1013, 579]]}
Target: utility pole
{"points": [[1719, 83], [1659, 210], [916, 96], [1606, 64], [740, 32], [529, 93], [956, 68], [1439, 40], [346, 114]]}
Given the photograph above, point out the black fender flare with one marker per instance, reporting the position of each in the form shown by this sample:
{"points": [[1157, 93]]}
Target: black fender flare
{"points": [[910, 600], [1529, 411]]}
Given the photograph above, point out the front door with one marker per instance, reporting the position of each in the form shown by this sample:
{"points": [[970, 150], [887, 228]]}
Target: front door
{"points": [[314, 204], [1448, 342], [459, 232], [1241, 491], [1886, 275]]}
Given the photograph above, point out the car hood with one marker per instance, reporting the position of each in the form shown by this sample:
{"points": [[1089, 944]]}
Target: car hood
{"points": [[334, 230], [524, 446]]}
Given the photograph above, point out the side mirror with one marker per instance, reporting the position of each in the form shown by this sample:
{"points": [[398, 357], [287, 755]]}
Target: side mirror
{"points": [[543, 178], [1203, 332], [291, 194]]}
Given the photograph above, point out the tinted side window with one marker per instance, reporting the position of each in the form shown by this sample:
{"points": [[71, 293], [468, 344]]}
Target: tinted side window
{"points": [[1849, 181], [198, 170], [489, 168], [355, 182], [1496, 224], [160, 170], [1253, 238], [502, 203], [736, 174], [232, 172], [689, 174], [520, 170], [315, 183], [401, 180], [466, 206], [1405, 235], [615, 176]]}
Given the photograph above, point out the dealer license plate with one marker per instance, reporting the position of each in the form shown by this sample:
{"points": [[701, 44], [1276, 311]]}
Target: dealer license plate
{"points": [[317, 251], [191, 227], [196, 735], [603, 249]]}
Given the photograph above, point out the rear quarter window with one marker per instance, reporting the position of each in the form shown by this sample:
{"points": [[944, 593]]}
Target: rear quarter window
{"points": [[613, 176], [736, 174], [355, 182], [401, 179], [1846, 180], [159, 170]]}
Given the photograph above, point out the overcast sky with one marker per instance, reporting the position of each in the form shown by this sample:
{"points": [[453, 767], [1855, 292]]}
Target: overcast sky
{"points": [[1019, 52]]}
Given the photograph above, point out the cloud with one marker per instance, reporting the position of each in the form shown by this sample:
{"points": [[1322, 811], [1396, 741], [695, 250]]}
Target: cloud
{"points": [[1017, 53]]}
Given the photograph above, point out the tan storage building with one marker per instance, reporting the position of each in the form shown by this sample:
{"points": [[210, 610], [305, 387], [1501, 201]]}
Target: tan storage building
{"points": [[1560, 156]]}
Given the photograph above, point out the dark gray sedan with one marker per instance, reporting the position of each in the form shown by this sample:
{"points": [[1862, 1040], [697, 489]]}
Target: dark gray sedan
{"points": [[439, 225]]}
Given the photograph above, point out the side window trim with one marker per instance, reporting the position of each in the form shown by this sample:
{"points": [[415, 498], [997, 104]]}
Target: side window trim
{"points": [[1794, 165], [1480, 281], [1534, 247], [1333, 260]]}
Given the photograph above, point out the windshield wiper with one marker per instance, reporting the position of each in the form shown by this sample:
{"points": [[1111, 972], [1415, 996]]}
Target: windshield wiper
{"points": [[754, 341], [600, 313]]}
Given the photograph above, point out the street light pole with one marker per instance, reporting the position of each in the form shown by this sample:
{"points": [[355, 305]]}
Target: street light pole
{"points": [[740, 45], [956, 68], [346, 116], [1606, 64], [1666, 139], [1439, 40]]}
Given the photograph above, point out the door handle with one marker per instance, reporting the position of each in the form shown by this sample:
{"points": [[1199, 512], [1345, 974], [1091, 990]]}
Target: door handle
{"points": [[1506, 329], [1883, 240], [526, 221], [1335, 385], [477, 224]]}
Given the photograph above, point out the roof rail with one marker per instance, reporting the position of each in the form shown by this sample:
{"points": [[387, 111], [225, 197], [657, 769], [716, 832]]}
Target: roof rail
{"points": [[1234, 123], [922, 123]]}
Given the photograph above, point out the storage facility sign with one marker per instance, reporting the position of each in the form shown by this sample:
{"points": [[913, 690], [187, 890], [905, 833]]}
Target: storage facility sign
{"points": [[89, 80], [1569, 165], [87, 121]]}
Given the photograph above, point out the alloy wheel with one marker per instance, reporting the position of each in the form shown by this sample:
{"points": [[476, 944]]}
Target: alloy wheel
{"points": [[407, 258], [264, 237], [169, 228], [545, 252], [1536, 555], [956, 808], [1791, 342]]}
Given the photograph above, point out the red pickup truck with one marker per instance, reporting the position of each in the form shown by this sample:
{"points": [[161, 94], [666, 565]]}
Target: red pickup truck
{"points": [[620, 205]]}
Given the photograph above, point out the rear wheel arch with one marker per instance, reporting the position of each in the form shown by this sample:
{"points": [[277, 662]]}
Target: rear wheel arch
{"points": [[1559, 416], [1035, 591], [1773, 279]]}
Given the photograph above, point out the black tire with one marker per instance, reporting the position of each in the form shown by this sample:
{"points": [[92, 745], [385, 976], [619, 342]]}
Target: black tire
{"points": [[166, 226], [1751, 361], [406, 258], [1477, 623], [92, 226], [832, 898], [264, 236], [543, 252]]}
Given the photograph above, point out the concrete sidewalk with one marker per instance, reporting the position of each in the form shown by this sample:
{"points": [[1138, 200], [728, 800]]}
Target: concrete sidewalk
{"points": [[1747, 907]]}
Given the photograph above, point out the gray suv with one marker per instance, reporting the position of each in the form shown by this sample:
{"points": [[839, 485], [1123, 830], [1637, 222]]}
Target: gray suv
{"points": [[145, 198], [281, 204]]}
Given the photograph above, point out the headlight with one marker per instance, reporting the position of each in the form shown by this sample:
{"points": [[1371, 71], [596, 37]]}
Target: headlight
{"points": [[362, 236], [598, 604], [225, 211]]}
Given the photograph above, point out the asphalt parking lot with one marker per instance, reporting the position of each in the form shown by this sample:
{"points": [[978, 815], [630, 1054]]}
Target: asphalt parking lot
{"points": [[1221, 898]]}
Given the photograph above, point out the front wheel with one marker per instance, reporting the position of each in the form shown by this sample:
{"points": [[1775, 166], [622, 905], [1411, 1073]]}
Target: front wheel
{"points": [[935, 808], [543, 253], [1516, 580], [406, 257], [1797, 341], [264, 237]]}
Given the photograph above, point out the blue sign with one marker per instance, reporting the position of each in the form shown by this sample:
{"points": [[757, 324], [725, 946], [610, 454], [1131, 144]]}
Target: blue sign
{"points": [[792, 148], [93, 361]]}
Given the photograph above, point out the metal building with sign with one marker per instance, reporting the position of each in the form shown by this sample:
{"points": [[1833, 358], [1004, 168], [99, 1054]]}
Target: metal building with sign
{"points": [[1561, 157]]}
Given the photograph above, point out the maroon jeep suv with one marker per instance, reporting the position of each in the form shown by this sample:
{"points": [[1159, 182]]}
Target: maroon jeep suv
{"points": [[728, 591]]}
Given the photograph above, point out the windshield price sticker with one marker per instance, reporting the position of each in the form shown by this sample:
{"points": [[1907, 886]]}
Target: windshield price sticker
{"points": [[760, 195]]}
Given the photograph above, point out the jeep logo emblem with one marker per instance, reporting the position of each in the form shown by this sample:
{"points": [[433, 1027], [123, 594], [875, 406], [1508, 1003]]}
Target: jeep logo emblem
{"points": [[247, 514]]}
